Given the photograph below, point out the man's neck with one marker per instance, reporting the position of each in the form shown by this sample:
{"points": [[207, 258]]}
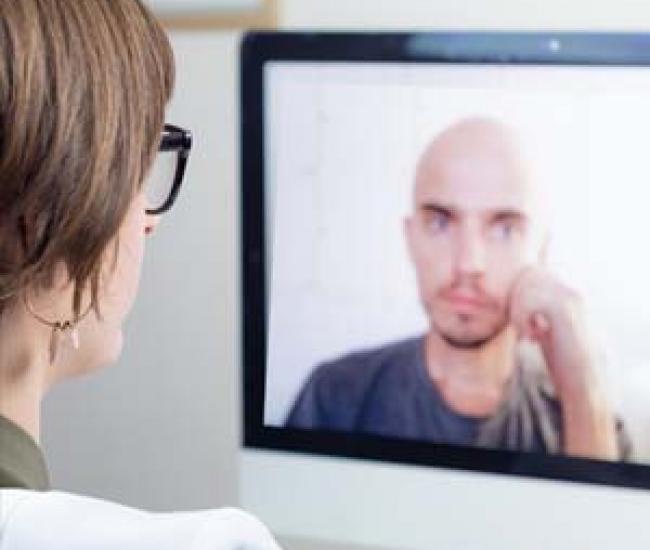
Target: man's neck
{"points": [[472, 381]]}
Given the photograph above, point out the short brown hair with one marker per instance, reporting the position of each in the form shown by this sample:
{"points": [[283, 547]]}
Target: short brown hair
{"points": [[83, 88]]}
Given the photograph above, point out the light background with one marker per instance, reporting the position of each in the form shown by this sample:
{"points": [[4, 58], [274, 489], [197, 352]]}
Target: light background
{"points": [[343, 144], [168, 7]]}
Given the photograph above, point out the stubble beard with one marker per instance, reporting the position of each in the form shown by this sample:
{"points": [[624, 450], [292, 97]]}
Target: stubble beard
{"points": [[464, 339]]}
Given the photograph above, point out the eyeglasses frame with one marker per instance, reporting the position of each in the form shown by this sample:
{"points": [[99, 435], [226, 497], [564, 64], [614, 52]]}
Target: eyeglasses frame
{"points": [[174, 138]]}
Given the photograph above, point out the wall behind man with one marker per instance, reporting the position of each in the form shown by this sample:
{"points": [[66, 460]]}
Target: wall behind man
{"points": [[160, 430]]}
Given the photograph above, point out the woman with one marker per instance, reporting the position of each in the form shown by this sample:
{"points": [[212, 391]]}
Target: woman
{"points": [[83, 88]]}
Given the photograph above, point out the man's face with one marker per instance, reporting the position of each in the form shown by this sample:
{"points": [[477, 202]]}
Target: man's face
{"points": [[469, 235]]}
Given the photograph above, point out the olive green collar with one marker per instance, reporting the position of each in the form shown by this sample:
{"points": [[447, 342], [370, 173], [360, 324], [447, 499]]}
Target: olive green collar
{"points": [[22, 465]]}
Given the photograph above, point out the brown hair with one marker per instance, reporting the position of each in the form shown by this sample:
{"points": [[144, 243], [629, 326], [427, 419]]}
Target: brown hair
{"points": [[83, 88]]}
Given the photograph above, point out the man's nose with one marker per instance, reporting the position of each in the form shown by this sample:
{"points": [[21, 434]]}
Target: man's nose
{"points": [[471, 253]]}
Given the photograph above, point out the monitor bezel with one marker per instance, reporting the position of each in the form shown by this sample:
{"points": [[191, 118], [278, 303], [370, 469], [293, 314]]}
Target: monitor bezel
{"points": [[497, 48]]}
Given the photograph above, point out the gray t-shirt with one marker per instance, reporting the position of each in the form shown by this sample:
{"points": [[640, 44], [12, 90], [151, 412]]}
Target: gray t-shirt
{"points": [[387, 391]]}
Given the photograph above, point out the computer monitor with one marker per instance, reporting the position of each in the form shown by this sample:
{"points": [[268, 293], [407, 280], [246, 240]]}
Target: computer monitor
{"points": [[445, 301]]}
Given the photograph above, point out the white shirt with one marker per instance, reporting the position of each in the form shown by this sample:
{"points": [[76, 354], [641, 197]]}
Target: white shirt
{"points": [[31, 520]]}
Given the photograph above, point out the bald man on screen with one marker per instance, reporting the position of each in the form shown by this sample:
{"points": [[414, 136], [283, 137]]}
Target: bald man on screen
{"points": [[508, 360]]}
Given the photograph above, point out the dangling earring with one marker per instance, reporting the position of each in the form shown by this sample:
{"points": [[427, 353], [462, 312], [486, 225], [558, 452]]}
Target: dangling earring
{"points": [[60, 329]]}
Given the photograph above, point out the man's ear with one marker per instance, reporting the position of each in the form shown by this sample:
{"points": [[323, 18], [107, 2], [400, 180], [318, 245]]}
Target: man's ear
{"points": [[542, 258], [409, 228]]}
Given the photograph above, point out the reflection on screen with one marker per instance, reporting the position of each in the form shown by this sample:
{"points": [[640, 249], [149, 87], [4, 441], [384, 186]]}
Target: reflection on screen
{"points": [[455, 255]]}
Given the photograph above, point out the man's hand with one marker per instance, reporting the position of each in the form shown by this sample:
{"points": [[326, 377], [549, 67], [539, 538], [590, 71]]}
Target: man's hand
{"points": [[546, 311]]}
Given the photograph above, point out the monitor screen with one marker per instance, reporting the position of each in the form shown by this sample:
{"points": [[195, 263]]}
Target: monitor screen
{"points": [[443, 251]]}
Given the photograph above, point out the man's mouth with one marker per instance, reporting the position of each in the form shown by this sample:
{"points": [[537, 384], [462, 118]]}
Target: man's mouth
{"points": [[462, 302]]}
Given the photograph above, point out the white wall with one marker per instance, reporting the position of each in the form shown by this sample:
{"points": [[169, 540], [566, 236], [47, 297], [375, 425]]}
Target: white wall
{"points": [[466, 14], [160, 430]]}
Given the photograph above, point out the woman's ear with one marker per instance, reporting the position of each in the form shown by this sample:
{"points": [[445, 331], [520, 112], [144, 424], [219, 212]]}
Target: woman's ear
{"points": [[13, 242], [34, 235]]}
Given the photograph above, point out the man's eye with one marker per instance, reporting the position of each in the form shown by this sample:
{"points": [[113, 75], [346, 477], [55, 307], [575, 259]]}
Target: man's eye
{"points": [[503, 230], [438, 222]]}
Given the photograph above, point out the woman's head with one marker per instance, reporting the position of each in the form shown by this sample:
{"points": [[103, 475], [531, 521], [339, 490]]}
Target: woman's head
{"points": [[83, 87]]}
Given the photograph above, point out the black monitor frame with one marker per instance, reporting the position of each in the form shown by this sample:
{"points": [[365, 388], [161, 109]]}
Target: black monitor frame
{"points": [[258, 48]]}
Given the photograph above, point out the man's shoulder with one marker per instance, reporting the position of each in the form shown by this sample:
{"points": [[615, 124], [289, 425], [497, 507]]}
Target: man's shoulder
{"points": [[337, 390], [365, 365]]}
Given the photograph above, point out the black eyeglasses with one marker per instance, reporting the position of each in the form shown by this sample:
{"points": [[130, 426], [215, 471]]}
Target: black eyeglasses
{"points": [[164, 180]]}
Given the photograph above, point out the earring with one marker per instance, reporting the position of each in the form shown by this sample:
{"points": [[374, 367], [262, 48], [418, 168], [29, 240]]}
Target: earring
{"points": [[60, 329]]}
